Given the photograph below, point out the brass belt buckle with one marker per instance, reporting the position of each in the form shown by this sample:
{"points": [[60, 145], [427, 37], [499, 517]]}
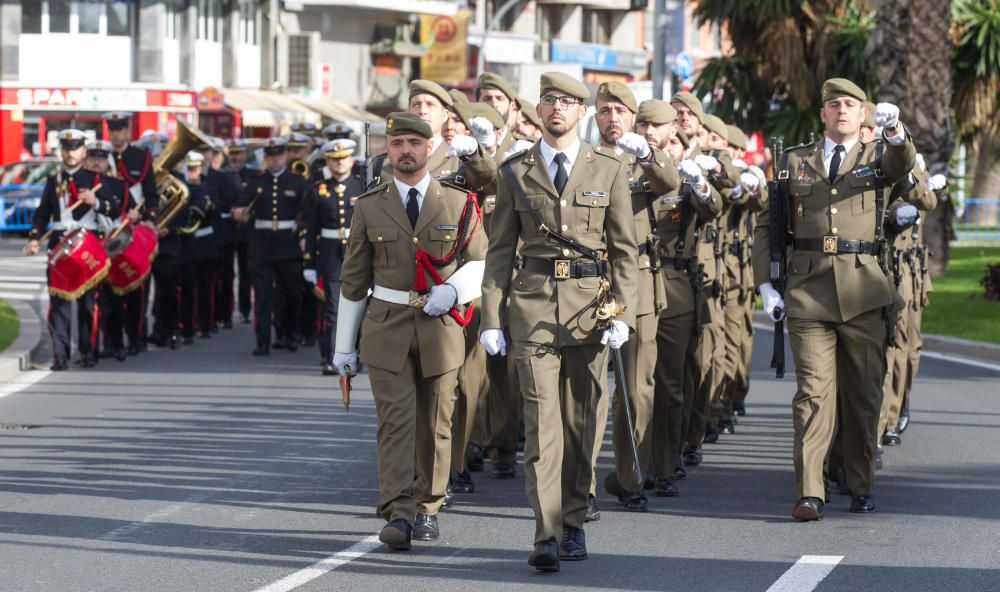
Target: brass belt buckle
{"points": [[274, 225], [560, 269], [830, 245], [417, 300], [340, 231]]}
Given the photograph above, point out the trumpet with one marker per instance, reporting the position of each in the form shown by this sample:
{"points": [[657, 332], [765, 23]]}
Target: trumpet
{"points": [[300, 168], [173, 193]]}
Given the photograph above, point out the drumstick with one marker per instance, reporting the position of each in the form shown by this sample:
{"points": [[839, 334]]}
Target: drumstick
{"points": [[49, 232]]}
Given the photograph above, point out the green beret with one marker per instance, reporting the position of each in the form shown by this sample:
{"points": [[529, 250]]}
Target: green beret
{"points": [[528, 108], [736, 137], [715, 125], [565, 83], [691, 102], [656, 112], [460, 105], [487, 111], [841, 87], [401, 123], [431, 88], [869, 121], [683, 137], [616, 92], [495, 81]]}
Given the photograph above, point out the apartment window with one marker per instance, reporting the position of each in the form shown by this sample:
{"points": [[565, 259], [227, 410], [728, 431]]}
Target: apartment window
{"points": [[209, 20], [299, 58], [596, 26], [248, 22], [59, 11], [31, 16], [89, 16], [92, 17], [174, 14], [118, 19]]}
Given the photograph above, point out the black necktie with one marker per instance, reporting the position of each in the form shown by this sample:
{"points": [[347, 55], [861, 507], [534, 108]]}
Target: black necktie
{"points": [[412, 207], [835, 162], [561, 176]]}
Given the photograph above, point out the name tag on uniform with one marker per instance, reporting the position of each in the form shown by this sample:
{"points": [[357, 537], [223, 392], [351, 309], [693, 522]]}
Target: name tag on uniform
{"points": [[446, 227], [134, 173], [595, 193], [289, 193], [863, 171], [671, 199]]}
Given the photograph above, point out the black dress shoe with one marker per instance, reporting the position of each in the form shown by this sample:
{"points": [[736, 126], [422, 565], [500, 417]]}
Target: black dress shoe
{"points": [[278, 344], [636, 502], [329, 369], [261, 351], [904, 421], [474, 458], [58, 365], [90, 361], [679, 473], [133, 350], [808, 508], [425, 528], [862, 504], [205, 334], [712, 432], [593, 512], [175, 342], [292, 345], [396, 534], [891, 438], [649, 482], [726, 427], [574, 544], [740, 409], [121, 355], [692, 456], [449, 497], [462, 483], [504, 470], [545, 557], [106, 353], [665, 488]]}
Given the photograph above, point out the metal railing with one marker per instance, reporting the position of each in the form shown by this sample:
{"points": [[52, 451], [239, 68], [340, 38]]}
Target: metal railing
{"points": [[980, 219], [17, 206]]}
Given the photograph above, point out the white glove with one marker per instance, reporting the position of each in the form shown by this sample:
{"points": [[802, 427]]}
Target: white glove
{"points": [[340, 360], [757, 171], [635, 145], [774, 304], [693, 176], [483, 131], [463, 146], [736, 192], [920, 162], [906, 215], [493, 342], [937, 182], [616, 335], [750, 181], [886, 115], [440, 300], [740, 163], [709, 163], [519, 146], [309, 275]]}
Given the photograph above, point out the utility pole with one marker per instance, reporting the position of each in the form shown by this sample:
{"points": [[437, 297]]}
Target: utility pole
{"points": [[493, 22], [659, 46]]}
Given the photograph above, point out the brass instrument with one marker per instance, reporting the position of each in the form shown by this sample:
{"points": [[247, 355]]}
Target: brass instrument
{"points": [[173, 193], [300, 168], [195, 216]]}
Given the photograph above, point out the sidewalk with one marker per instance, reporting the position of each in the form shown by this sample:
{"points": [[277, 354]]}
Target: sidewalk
{"points": [[17, 357]]}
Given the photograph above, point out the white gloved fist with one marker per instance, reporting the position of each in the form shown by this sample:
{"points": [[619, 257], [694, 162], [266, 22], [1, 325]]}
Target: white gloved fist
{"points": [[759, 172], [635, 145], [463, 146], [709, 163], [440, 300], [740, 163], [937, 182], [309, 275], [341, 361], [519, 146], [774, 304], [736, 192], [493, 342], [920, 162], [906, 215], [886, 115], [483, 131], [750, 181], [690, 170], [616, 335]]}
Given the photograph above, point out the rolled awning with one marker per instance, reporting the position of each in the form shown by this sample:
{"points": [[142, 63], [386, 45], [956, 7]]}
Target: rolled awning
{"points": [[331, 108], [267, 108]]}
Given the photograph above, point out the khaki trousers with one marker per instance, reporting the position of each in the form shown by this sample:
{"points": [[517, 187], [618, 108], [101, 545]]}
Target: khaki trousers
{"points": [[742, 386], [639, 360], [706, 373], [675, 339], [837, 360], [561, 388], [503, 405], [733, 336], [472, 387]]}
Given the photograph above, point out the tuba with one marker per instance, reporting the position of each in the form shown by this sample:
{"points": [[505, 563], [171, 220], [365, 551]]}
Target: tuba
{"points": [[172, 191], [301, 168]]}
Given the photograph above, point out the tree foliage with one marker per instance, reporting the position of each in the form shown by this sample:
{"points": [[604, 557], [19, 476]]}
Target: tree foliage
{"points": [[976, 62]]}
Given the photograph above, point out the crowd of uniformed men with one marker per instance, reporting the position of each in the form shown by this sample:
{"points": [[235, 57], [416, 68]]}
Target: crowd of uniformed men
{"points": [[488, 262]]}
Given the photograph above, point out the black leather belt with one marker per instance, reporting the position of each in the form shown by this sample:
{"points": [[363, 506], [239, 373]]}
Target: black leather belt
{"points": [[675, 262], [833, 245], [564, 269]]}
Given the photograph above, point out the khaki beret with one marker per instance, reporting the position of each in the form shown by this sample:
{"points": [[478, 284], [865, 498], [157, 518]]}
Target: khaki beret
{"points": [[715, 125], [484, 110], [736, 137], [460, 105], [869, 121], [430, 88], [565, 83], [495, 81], [528, 108], [691, 102], [683, 137], [841, 87], [614, 91], [400, 123], [656, 112]]}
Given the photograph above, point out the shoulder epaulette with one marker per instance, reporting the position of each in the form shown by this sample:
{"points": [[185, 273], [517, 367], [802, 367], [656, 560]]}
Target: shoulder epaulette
{"points": [[797, 146], [607, 152], [376, 189], [454, 182], [516, 155]]}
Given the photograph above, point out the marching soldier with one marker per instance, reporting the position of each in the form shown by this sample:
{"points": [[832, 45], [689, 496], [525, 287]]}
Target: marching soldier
{"points": [[837, 296], [569, 203], [223, 184], [493, 90], [197, 249], [238, 157], [529, 126], [327, 216], [272, 199], [72, 198], [411, 337]]}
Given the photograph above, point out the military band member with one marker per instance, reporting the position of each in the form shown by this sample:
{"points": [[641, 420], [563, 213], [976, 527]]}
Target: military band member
{"points": [[69, 201], [410, 340], [271, 201], [337, 131], [837, 295], [579, 192], [238, 163], [327, 216], [223, 185]]}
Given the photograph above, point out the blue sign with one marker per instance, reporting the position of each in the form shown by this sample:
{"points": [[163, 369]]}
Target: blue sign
{"points": [[683, 66], [596, 57]]}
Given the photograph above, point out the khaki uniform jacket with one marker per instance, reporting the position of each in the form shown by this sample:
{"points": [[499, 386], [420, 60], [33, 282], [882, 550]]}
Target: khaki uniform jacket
{"points": [[912, 283], [680, 293], [833, 288], [594, 209], [381, 251], [740, 216]]}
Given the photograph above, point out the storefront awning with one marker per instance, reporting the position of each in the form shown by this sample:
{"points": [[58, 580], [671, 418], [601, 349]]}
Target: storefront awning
{"points": [[601, 4], [331, 108], [438, 7], [267, 108]]}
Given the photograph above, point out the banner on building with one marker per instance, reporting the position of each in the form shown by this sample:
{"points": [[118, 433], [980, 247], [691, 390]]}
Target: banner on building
{"points": [[446, 60]]}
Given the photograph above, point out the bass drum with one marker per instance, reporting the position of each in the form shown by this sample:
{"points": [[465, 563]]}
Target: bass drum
{"points": [[132, 252], [77, 264]]}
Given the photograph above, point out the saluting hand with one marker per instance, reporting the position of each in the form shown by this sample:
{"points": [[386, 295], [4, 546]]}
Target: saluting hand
{"points": [[886, 116], [463, 146], [937, 182], [635, 145], [483, 131]]}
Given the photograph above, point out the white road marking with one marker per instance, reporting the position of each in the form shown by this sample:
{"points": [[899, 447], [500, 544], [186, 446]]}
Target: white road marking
{"points": [[20, 384], [806, 574], [304, 576]]}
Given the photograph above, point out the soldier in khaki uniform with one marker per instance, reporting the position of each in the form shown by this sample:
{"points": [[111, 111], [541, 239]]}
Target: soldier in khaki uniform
{"points": [[837, 294], [410, 340], [651, 174], [529, 126], [564, 188], [493, 90]]}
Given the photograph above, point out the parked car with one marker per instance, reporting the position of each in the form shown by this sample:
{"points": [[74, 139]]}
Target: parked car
{"points": [[21, 191]]}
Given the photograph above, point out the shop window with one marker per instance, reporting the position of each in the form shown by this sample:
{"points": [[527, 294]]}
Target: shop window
{"points": [[89, 16], [58, 16], [31, 16], [118, 19]]}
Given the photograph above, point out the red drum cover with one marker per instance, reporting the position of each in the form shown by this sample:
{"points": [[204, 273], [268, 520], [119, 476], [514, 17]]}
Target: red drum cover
{"points": [[77, 264], [131, 266]]}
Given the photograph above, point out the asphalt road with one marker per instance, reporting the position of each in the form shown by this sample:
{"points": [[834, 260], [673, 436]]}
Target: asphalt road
{"points": [[206, 469]]}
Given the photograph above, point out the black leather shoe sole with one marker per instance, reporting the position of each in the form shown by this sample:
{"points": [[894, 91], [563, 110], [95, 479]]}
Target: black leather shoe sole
{"points": [[394, 538], [808, 510], [329, 370], [426, 528], [545, 557], [862, 505], [665, 488]]}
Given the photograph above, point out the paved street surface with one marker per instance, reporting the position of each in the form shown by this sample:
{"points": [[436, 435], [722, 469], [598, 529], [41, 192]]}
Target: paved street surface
{"points": [[206, 469]]}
